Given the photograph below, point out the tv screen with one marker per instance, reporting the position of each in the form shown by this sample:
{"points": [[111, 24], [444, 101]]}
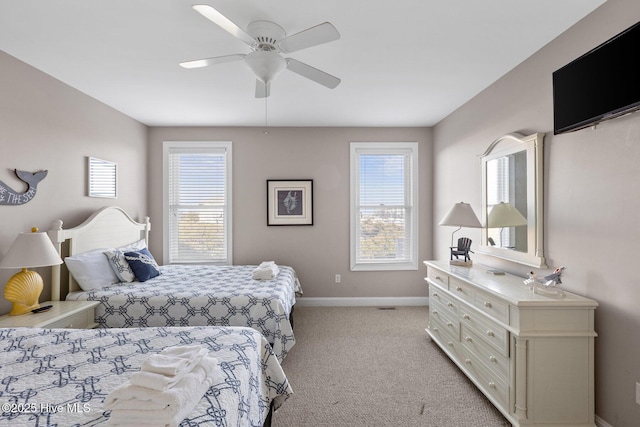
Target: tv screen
{"points": [[601, 84]]}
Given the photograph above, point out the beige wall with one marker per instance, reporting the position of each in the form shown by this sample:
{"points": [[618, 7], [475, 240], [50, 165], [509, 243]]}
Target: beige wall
{"points": [[46, 125], [591, 196], [318, 252]]}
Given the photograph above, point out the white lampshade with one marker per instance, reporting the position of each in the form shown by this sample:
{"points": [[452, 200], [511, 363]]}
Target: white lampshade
{"points": [[265, 65], [461, 215], [505, 215], [31, 250]]}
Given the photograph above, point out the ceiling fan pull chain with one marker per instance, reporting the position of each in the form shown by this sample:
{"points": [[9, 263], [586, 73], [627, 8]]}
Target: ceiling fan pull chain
{"points": [[266, 98]]}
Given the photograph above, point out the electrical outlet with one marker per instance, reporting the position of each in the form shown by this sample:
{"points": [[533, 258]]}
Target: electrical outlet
{"points": [[338, 278], [638, 393]]}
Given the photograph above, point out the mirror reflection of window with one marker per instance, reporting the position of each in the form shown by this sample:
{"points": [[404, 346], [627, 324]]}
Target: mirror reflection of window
{"points": [[507, 182]]}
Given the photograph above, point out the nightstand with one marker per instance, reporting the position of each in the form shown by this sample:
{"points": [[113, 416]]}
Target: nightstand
{"points": [[63, 314]]}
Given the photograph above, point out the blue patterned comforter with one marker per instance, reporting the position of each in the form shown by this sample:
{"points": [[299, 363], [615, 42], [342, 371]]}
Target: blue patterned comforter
{"points": [[199, 295], [60, 377]]}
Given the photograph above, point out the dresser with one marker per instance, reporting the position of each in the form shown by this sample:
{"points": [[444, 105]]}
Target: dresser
{"points": [[531, 354]]}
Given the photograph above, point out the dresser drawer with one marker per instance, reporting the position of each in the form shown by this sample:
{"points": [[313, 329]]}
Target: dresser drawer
{"points": [[447, 301], [461, 289], [495, 307], [493, 360], [443, 338], [492, 333], [82, 320], [441, 319], [492, 384], [437, 276]]}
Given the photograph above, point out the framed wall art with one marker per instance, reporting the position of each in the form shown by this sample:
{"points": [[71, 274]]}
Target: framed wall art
{"points": [[102, 178], [290, 202]]}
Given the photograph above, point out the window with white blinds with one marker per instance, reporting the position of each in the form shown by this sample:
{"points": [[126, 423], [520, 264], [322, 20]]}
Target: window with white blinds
{"points": [[197, 202], [384, 206]]}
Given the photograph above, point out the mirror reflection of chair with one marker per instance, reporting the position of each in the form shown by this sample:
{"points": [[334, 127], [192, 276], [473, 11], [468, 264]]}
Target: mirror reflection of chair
{"points": [[463, 249]]}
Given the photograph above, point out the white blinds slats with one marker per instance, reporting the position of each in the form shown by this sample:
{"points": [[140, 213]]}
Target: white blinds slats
{"points": [[198, 203]]}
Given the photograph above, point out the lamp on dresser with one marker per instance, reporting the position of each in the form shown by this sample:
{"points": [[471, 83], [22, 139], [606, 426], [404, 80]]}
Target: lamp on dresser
{"points": [[29, 250], [461, 215]]}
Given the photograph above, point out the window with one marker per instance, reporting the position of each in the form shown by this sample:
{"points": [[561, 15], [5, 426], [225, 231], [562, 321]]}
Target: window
{"points": [[384, 206], [197, 202]]}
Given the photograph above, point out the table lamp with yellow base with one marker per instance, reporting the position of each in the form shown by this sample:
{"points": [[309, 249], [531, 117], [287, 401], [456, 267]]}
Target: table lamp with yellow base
{"points": [[29, 250]]}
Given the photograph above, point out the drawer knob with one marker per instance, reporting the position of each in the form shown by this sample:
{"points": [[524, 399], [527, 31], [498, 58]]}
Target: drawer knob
{"points": [[435, 312], [493, 359], [466, 317], [450, 325], [490, 333], [487, 304], [435, 329], [492, 384], [435, 294], [438, 278], [450, 344], [467, 361], [459, 289], [450, 304], [468, 339]]}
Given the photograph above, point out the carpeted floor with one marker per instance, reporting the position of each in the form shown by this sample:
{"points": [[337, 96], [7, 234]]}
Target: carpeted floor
{"points": [[366, 366]]}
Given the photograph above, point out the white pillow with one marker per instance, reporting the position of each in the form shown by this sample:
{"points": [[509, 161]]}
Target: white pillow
{"points": [[119, 264], [91, 270]]}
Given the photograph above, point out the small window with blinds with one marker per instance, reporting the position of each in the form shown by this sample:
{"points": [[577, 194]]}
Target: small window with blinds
{"points": [[384, 206], [197, 202], [103, 178]]}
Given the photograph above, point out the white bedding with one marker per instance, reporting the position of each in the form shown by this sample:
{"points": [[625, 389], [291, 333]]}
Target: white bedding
{"points": [[198, 295], [61, 377]]}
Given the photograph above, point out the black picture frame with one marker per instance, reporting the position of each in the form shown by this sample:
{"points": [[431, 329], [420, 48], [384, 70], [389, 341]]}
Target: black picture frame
{"points": [[289, 202]]}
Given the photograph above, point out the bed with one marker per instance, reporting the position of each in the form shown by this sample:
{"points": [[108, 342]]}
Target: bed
{"points": [[63, 376], [181, 295]]}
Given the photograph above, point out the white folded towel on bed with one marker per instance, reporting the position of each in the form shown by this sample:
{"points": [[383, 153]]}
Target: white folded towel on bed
{"points": [[134, 405], [174, 361], [265, 271]]}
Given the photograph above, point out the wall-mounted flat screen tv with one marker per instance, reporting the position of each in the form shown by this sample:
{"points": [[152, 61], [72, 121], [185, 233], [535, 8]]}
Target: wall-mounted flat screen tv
{"points": [[601, 84]]}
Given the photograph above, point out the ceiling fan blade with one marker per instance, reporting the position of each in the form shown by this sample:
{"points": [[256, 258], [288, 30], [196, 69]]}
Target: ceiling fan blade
{"points": [[322, 33], [263, 90], [199, 63], [224, 23], [312, 73]]}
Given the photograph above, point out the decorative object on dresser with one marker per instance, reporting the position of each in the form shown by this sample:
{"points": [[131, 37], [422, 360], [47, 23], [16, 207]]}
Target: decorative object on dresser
{"points": [[29, 250], [10, 197], [531, 354], [461, 215]]}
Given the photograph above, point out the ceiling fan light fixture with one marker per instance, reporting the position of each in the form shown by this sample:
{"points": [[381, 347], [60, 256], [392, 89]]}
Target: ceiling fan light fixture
{"points": [[265, 65]]}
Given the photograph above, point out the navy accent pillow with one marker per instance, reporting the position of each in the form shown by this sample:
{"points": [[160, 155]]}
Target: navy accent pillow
{"points": [[143, 264]]}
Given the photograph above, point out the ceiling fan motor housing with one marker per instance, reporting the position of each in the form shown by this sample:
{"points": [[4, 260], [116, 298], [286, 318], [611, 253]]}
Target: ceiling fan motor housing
{"points": [[266, 34]]}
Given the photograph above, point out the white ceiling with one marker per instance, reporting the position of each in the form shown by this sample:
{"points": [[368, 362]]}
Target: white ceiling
{"points": [[402, 63]]}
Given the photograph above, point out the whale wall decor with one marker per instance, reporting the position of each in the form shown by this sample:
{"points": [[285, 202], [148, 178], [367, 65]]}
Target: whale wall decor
{"points": [[10, 197]]}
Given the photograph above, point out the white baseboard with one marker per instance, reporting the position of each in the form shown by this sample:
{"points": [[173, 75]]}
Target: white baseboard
{"points": [[361, 302], [601, 423]]}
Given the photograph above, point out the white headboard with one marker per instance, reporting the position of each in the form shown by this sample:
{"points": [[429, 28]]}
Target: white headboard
{"points": [[108, 227]]}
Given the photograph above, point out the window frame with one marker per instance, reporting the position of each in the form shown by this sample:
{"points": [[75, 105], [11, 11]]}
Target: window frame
{"points": [[406, 148], [227, 147]]}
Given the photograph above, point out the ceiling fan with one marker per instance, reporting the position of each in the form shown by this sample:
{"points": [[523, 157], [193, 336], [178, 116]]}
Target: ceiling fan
{"points": [[267, 41]]}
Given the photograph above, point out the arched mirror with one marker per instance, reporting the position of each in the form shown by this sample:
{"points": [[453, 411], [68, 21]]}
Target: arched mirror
{"points": [[512, 199]]}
